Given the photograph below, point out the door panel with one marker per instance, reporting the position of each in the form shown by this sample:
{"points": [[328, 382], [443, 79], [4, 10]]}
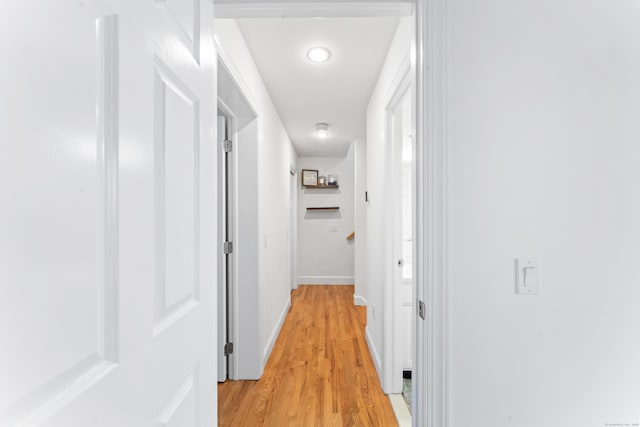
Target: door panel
{"points": [[56, 212], [176, 151], [222, 283], [107, 164], [181, 410]]}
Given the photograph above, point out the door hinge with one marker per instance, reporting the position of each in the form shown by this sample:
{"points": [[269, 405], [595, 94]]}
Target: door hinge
{"points": [[228, 348], [227, 144], [228, 248], [422, 309]]}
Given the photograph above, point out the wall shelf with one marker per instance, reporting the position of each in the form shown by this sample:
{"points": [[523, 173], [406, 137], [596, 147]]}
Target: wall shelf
{"points": [[322, 186], [324, 208]]}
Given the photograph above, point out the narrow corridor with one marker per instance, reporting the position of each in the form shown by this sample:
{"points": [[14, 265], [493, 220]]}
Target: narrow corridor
{"points": [[320, 372]]}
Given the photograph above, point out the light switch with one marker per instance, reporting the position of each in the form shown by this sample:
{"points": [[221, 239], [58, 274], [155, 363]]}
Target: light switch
{"points": [[527, 276]]}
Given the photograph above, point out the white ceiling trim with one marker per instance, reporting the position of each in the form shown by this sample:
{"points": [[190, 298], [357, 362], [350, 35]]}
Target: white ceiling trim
{"points": [[362, 9]]}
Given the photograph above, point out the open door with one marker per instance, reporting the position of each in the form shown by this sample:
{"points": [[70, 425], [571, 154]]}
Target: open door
{"points": [[293, 227], [106, 284], [225, 286], [403, 235], [238, 225]]}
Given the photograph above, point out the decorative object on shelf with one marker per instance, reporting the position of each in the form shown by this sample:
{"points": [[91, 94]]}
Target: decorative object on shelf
{"points": [[310, 177], [351, 236]]}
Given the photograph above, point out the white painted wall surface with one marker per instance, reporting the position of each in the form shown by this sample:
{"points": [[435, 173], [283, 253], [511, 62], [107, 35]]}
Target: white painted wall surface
{"points": [[544, 118], [360, 222], [377, 164], [246, 257], [325, 255], [275, 154]]}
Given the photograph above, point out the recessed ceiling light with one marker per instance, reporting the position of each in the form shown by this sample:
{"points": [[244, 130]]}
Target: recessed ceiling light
{"points": [[322, 130], [319, 54]]}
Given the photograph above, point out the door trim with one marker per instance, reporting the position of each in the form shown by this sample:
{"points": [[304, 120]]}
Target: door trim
{"points": [[246, 361], [330, 9], [432, 258]]}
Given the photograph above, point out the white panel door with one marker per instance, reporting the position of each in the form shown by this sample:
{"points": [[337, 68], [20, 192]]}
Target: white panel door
{"points": [[222, 288], [107, 213]]}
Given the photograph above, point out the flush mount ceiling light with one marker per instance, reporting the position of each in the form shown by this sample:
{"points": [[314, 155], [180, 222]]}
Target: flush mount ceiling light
{"points": [[322, 130], [319, 54]]}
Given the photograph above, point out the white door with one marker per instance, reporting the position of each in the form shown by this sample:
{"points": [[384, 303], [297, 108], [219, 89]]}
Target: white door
{"points": [[226, 233], [293, 227], [107, 213], [402, 159], [406, 245]]}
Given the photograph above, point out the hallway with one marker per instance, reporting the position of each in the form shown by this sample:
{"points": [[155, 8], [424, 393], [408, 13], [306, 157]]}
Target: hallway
{"points": [[320, 372]]}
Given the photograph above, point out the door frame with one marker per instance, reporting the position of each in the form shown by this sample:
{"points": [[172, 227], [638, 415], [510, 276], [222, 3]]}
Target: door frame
{"points": [[226, 228], [244, 362], [433, 346], [432, 352], [293, 227]]}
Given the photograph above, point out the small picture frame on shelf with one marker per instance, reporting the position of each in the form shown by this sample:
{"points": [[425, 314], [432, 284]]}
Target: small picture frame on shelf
{"points": [[309, 177]]}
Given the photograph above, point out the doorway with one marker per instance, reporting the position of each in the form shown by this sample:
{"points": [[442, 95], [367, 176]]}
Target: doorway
{"points": [[403, 236], [238, 353], [293, 227], [399, 234], [296, 10], [225, 286]]}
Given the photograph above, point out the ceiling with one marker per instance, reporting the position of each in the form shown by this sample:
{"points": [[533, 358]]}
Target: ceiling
{"points": [[335, 92]]}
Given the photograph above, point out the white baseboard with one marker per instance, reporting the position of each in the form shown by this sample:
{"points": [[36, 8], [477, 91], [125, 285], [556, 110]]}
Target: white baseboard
{"points": [[374, 352], [401, 410], [326, 280], [274, 334], [358, 300]]}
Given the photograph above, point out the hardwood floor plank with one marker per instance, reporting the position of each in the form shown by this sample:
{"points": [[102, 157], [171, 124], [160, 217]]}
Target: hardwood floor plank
{"points": [[320, 372]]}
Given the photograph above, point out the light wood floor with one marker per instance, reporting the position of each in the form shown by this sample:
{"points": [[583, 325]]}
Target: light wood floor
{"points": [[320, 372]]}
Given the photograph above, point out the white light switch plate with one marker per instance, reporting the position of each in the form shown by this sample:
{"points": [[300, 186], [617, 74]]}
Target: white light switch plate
{"points": [[528, 277]]}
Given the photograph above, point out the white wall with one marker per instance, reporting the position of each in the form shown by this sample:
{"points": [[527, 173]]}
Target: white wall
{"points": [[360, 222], [543, 161], [325, 256], [275, 155], [246, 335], [378, 211]]}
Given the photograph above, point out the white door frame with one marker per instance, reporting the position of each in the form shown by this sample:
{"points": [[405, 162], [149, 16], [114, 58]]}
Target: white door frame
{"points": [[293, 227], [227, 219], [431, 252], [430, 392], [225, 266], [244, 362]]}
